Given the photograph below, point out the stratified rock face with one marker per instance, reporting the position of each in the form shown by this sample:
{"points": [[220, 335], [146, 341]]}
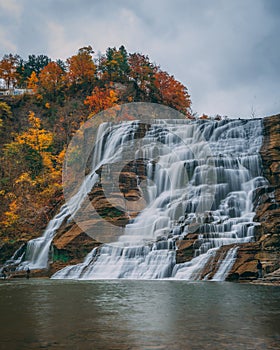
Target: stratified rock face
{"points": [[72, 243], [267, 207]]}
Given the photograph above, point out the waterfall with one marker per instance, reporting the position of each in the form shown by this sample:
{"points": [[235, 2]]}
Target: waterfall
{"points": [[200, 179], [225, 265], [38, 249]]}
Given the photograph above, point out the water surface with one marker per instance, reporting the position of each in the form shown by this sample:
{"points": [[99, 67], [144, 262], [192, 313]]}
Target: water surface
{"points": [[126, 314]]}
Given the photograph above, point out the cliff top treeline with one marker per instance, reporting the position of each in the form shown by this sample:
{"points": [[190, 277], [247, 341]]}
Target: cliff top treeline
{"points": [[37, 125], [55, 80]]}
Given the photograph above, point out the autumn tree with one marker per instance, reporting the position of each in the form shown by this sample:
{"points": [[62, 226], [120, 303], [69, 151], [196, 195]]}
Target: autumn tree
{"points": [[171, 92], [51, 79], [81, 68], [142, 72], [8, 70], [101, 99], [33, 170], [32, 82], [5, 115], [37, 139]]}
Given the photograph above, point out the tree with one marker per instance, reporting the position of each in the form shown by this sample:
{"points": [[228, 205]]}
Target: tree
{"points": [[5, 111], [101, 99], [22, 158], [51, 79], [8, 70], [114, 65], [33, 64], [32, 82], [36, 137], [62, 65], [33, 173], [171, 92], [81, 68], [142, 72]]}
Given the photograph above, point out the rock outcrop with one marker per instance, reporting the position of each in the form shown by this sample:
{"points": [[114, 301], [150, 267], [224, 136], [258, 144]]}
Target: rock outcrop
{"points": [[103, 218], [267, 208]]}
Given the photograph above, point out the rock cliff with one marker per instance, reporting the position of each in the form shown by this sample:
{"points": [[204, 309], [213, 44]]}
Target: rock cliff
{"points": [[267, 207]]}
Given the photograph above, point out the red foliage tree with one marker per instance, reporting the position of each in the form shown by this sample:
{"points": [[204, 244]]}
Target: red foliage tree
{"points": [[172, 93]]}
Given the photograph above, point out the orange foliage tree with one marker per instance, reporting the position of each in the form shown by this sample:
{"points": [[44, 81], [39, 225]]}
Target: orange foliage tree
{"points": [[8, 69], [100, 99], [81, 68], [171, 92], [51, 79]]}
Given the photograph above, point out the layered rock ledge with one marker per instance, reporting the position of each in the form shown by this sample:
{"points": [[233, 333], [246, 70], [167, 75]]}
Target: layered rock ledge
{"points": [[267, 208]]}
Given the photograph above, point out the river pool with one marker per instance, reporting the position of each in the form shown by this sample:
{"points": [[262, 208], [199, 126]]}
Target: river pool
{"points": [[129, 314]]}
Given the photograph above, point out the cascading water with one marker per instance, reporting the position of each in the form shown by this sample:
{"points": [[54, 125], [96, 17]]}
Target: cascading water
{"points": [[38, 250], [193, 168], [225, 265]]}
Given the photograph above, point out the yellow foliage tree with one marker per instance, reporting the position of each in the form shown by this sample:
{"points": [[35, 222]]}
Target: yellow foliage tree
{"points": [[32, 82], [35, 172], [37, 138], [11, 215]]}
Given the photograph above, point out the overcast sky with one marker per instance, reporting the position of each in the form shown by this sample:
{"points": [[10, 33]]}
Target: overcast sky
{"points": [[226, 52]]}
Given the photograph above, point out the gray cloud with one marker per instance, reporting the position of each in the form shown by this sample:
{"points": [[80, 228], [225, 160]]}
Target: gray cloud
{"points": [[226, 52]]}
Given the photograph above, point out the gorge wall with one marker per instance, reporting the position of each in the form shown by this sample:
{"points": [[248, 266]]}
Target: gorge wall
{"points": [[267, 207]]}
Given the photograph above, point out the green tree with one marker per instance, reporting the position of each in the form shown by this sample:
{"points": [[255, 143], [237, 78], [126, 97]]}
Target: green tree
{"points": [[32, 64], [5, 111], [114, 65]]}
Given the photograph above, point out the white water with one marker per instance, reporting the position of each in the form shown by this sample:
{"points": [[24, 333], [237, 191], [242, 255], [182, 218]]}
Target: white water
{"points": [[194, 167], [225, 265], [38, 250]]}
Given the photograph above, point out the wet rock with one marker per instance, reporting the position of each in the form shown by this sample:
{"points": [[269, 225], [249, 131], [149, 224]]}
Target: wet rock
{"points": [[185, 248]]}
